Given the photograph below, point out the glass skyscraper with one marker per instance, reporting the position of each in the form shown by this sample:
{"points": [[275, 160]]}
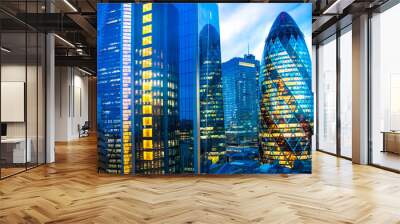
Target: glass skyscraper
{"points": [[200, 86], [286, 98], [114, 92], [138, 80], [240, 91]]}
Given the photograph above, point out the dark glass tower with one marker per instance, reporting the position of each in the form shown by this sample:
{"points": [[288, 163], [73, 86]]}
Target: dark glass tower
{"points": [[114, 88], [286, 98], [138, 88], [240, 86], [202, 143]]}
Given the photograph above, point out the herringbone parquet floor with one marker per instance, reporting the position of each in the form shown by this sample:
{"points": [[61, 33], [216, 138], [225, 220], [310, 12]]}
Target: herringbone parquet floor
{"points": [[71, 191]]}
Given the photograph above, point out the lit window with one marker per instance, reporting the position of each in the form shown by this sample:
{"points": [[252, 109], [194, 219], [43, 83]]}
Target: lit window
{"points": [[148, 155], [147, 40], [147, 29], [147, 51], [146, 86], [146, 63], [147, 132], [147, 98], [147, 121], [147, 144], [146, 74], [147, 7], [147, 109], [147, 18]]}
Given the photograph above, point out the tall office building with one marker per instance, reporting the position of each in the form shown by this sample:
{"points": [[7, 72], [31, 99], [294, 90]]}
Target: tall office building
{"points": [[240, 93], [156, 89], [200, 86], [287, 99], [138, 88], [114, 88]]}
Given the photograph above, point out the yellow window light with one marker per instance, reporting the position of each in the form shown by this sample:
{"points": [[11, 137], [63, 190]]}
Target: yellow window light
{"points": [[147, 29], [146, 86], [146, 74], [147, 51], [147, 7], [147, 144], [147, 18], [147, 132], [147, 98], [148, 155], [147, 40], [148, 109], [147, 121], [147, 63]]}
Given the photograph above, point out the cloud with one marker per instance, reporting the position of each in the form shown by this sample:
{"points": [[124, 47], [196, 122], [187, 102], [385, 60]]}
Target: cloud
{"points": [[249, 23]]}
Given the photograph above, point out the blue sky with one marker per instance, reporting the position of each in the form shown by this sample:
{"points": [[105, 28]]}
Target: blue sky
{"points": [[249, 23]]}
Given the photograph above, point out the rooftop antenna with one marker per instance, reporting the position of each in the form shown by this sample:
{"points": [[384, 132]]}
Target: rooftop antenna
{"points": [[248, 48]]}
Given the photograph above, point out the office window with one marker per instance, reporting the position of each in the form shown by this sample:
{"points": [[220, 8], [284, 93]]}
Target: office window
{"points": [[147, 132], [346, 93], [147, 63], [147, 7], [147, 51], [147, 29], [147, 144], [147, 18], [147, 40], [327, 96], [385, 88], [147, 121]]}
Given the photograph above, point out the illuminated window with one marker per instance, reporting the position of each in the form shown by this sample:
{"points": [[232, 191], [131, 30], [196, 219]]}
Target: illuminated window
{"points": [[147, 144], [147, 29], [147, 40], [147, 7], [146, 74], [147, 109], [147, 51], [146, 63], [146, 86], [147, 132], [147, 121], [147, 18], [147, 98], [148, 155]]}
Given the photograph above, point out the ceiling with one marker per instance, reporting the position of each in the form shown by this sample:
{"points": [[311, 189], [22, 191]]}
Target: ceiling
{"points": [[74, 22]]}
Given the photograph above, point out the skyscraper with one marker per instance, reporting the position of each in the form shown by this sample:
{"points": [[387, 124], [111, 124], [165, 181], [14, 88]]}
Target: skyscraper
{"points": [[114, 105], [286, 98], [156, 89], [200, 86], [240, 93], [138, 88]]}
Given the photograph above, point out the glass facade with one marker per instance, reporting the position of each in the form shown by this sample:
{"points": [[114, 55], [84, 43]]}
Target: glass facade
{"points": [[385, 88], [240, 91], [327, 126], [166, 102], [22, 101], [286, 99]]}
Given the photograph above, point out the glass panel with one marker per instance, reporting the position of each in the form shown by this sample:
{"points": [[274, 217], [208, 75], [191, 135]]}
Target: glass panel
{"points": [[385, 84], [346, 94], [41, 99], [31, 98], [327, 96], [13, 87]]}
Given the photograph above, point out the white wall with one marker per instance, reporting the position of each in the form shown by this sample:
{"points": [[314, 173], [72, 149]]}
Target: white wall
{"points": [[71, 102]]}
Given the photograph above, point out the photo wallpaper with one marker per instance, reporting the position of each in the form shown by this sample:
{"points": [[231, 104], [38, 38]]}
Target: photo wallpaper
{"points": [[204, 88]]}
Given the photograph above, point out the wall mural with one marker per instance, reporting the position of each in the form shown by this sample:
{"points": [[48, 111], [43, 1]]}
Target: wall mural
{"points": [[204, 88]]}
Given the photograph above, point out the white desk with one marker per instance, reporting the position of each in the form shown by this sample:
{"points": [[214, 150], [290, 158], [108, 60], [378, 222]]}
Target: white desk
{"points": [[18, 144]]}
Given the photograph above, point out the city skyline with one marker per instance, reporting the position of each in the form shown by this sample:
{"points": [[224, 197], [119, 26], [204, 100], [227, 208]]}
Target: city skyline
{"points": [[168, 104]]}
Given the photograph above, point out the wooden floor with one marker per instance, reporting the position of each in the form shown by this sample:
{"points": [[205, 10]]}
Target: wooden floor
{"points": [[71, 191]]}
